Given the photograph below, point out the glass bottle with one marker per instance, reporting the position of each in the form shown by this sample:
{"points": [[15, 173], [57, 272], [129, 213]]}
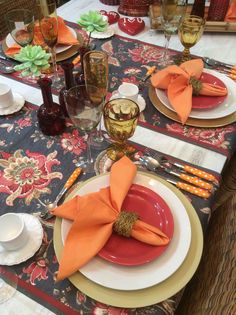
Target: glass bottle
{"points": [[50, 115], [79, 78], [69, 83]]}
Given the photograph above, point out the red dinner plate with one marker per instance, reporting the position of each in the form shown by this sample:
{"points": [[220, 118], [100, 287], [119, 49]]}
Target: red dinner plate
{"points": [[153, 210], [208, 102]]}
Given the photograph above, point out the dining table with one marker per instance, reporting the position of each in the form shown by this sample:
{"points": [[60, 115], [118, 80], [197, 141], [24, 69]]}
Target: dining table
{"points": [[34, 167]]}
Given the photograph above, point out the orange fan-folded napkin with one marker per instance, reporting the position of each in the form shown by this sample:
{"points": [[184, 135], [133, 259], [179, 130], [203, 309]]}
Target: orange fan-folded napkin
{"points": [[93, 217], [231, 12], [181, 82], [65, 37]]}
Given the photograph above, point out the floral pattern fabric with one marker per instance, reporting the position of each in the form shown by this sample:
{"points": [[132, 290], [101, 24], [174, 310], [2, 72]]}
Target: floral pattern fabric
{"points": [[34, 167]]}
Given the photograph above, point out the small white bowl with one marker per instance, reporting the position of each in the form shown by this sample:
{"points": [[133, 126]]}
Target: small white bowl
{"points": [[13, 233]]}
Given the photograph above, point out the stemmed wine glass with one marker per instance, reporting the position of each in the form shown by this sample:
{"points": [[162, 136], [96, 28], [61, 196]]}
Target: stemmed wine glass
{"points": [[48, 23], [190, 30], [171, 12], [120, 119], [84, 105], [20, 23], [95, 64]]}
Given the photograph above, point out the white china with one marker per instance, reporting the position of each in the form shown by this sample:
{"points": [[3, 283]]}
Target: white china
{"points": [[140, 100], [18, 103], [6, 96], [128, 90], [226, 108], [35, 232], [100, 35], [125, 277], [13, 232]]}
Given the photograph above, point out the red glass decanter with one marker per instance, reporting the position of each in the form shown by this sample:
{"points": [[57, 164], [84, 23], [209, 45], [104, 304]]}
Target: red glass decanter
{"points": [[50, 115], [79, 78], [69, 83]]}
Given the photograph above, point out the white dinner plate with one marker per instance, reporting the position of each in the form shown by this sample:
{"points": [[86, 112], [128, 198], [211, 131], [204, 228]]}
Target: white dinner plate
{"points": [[59, 48], [226, 108], [125, 277]]}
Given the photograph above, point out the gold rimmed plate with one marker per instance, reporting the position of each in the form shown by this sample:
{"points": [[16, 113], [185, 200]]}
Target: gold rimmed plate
{"points": [[195, 122], [63, 55], [153, 294]]}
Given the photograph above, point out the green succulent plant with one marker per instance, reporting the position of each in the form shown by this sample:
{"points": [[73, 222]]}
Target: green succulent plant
{"points": [[93, 21], [34, 59]]}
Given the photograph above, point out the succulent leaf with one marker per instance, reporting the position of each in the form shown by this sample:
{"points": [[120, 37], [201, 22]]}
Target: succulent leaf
{"points": [[33, 58]]}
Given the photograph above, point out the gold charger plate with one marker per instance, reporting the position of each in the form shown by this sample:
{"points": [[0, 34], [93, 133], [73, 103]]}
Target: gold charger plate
{"points": [[61, 56], [206, 123], [156, 293]]}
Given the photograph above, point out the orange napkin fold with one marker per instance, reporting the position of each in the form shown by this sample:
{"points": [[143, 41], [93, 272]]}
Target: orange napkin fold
{"points": [[177, 81], [65, 37], [93, 216], [231, 12]]}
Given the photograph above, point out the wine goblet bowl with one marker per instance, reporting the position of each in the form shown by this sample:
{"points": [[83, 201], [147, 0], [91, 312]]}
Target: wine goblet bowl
{"points": [[120, 119]]}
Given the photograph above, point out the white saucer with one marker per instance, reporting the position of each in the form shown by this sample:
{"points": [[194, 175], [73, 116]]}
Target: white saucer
{"points": [[100, 35], [35, 231], [141, 101], [19, 102]]}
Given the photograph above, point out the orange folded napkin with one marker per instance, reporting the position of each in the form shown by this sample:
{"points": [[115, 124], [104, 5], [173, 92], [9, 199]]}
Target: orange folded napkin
{"points": [[181, 83], [231, 12], [65, 37], [93, 217]]}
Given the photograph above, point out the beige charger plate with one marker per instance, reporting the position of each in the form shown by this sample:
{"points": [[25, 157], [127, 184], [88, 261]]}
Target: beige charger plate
{"points": [[151, 295], [61, 56], [196, 122]]}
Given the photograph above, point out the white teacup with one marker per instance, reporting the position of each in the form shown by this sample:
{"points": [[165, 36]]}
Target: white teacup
{"points": [[13, 232], [128, 90], [6, 96]]}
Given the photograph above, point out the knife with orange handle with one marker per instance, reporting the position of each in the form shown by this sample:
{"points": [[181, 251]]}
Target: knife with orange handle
{"points": [[197, 172], [191, 179], [191, 189]]}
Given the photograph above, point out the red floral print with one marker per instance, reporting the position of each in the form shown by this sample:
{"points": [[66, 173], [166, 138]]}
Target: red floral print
{"points": [[37, 270], [73, 142], [24, 122], [102, 309], [26, 176], [145, 54], [211, 136]]}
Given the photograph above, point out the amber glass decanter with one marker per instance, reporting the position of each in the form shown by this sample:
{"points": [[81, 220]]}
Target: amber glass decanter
{"points": [[50, 115], [69, 83]]}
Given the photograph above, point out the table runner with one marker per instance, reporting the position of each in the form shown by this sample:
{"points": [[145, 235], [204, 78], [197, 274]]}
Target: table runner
{"points": [[22, 143], [129, 60]]}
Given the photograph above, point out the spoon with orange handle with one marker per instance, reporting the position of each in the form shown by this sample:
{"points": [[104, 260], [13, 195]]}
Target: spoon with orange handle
{"points": [[70, 181]]}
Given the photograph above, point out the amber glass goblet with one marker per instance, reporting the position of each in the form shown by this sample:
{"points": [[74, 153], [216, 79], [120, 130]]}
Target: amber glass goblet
{"points": [[190, 30], [120, 119], [48, 23]]}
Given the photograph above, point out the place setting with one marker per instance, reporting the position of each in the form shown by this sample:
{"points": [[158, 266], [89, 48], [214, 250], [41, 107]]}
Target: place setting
{"points": [[116, 273], [208, 100]]}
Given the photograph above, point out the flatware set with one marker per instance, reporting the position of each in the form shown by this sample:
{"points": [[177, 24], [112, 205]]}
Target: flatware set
{"points": [[202, 188]]}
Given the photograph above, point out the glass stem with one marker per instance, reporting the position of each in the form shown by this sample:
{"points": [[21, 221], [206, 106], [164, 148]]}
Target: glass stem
{"points": [[186, 55], [89, 155], [166, 47]]}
